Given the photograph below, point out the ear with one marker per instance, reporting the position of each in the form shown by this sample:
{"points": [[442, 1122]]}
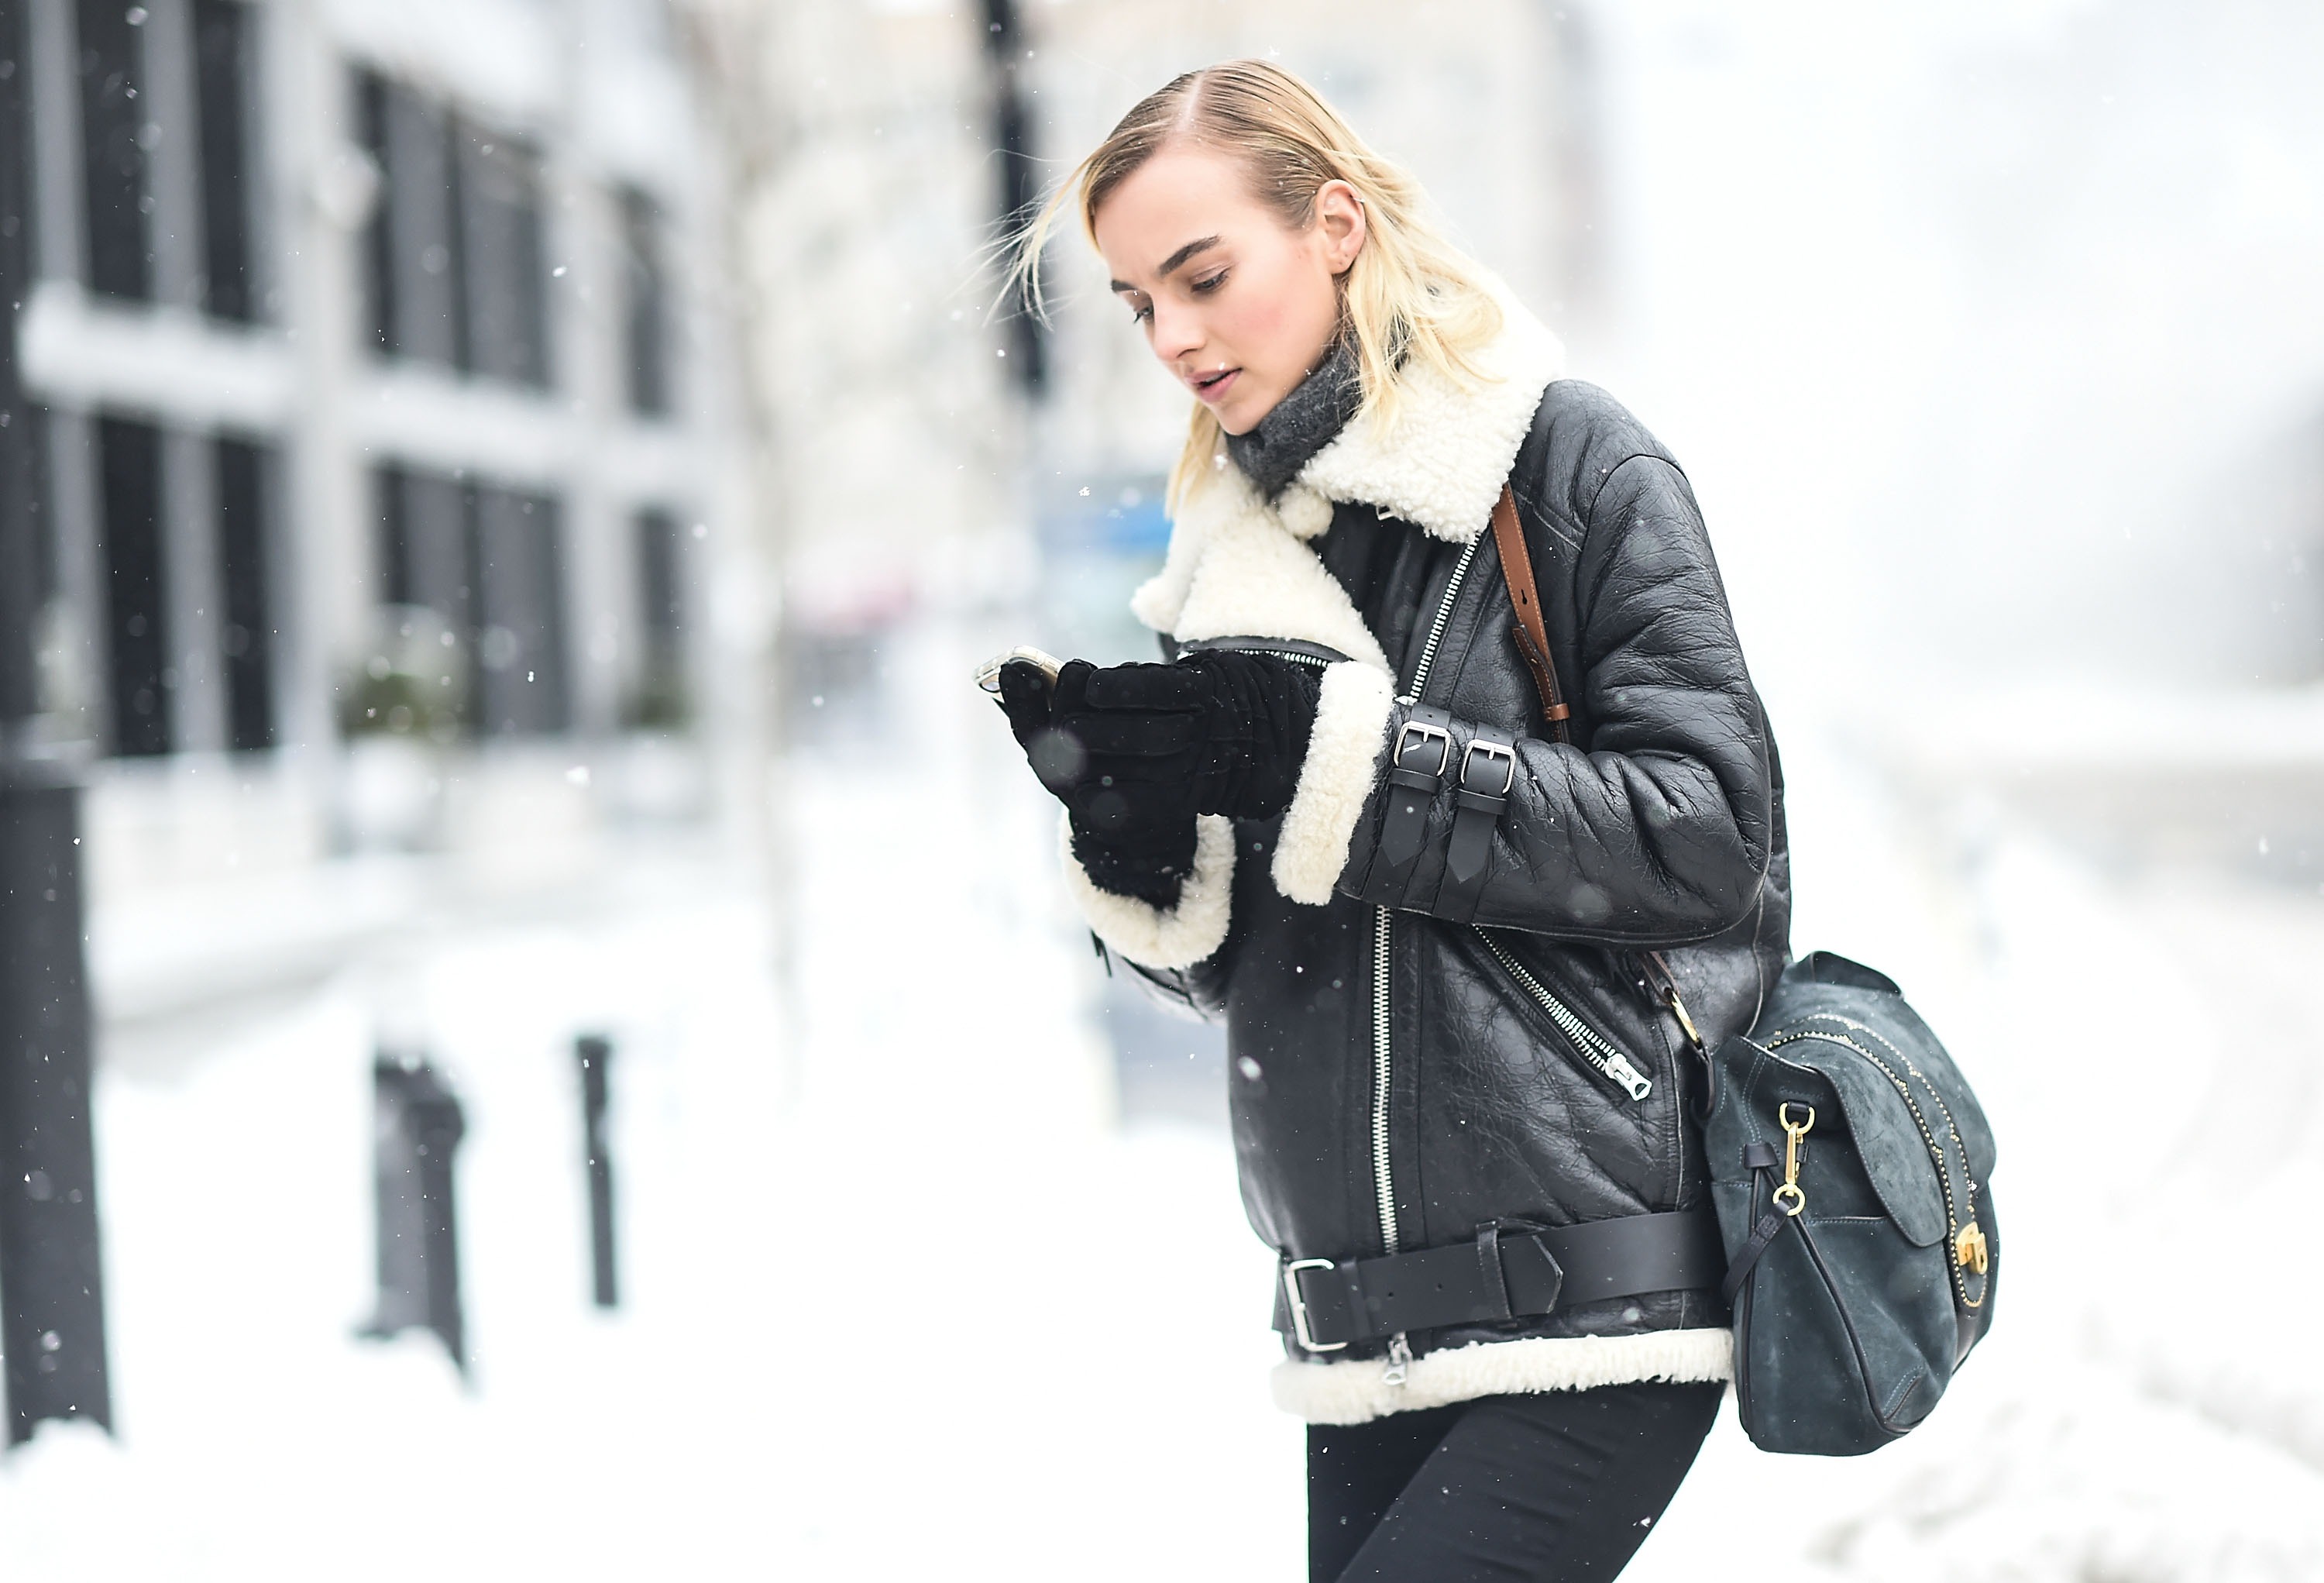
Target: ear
{"points": [[1341, 223]]}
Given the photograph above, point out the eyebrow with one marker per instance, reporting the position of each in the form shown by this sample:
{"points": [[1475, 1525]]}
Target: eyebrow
{"points": [[1199, 244]]}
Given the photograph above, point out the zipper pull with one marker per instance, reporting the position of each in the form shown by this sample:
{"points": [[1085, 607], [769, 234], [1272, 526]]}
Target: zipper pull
{"points": [[1634, 1081], [1399, 1360]]}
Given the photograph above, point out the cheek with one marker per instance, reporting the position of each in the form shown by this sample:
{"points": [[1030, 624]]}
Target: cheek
{"points": [[1265, 317]]}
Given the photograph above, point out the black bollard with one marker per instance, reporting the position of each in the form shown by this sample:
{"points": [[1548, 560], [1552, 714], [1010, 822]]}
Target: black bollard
{"points": [[51, 1293], [596, 1051], [420, 1127]]}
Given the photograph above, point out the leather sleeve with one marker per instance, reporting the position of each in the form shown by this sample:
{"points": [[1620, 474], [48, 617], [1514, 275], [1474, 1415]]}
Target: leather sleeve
{"points": [[1656, 832], [1201, 989]]}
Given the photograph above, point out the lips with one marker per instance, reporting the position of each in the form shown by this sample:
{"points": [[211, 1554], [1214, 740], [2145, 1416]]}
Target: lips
{"points": [[1212, 386]]}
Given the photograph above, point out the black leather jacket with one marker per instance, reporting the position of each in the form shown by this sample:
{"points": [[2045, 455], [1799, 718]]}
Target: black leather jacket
{"points": [[1482, 1018]]}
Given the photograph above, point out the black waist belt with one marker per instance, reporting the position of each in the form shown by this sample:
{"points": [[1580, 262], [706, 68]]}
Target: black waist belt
{"points": [[1504, 1275]]}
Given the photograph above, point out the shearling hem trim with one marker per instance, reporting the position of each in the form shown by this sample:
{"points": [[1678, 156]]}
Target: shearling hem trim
{"points": [[1335, 778], [1354, 1393], [1144, 933]]}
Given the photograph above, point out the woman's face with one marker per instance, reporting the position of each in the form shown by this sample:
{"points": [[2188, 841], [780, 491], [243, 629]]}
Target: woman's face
{"points": [[1237, 307]]}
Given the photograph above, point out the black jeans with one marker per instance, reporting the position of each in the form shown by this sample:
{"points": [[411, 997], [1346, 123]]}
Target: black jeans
{"points": [[1558, 1487]]}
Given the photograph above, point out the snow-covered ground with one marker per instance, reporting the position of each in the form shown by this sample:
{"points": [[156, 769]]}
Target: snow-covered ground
{"points": [[905, 1299]]}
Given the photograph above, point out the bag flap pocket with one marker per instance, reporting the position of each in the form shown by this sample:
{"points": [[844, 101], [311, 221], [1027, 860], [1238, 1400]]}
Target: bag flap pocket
{"points": [[1887, 1138]]}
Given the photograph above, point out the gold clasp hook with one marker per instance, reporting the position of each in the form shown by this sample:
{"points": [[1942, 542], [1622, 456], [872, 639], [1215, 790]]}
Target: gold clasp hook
{"points": [[1789, 1199]]}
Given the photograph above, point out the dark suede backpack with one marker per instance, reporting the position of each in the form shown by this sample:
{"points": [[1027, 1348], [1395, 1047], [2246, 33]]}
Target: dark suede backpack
{"points": [[1851, 1168]]}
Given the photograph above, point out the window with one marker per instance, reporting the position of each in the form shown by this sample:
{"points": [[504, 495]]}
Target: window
{"points": [[662, 699], [379, 230], [245, 634], [477, 571], [221, 82], [646, 301], [454, 265], [28, 550], [506, 329], [114, 136], [413, 253], [520, 643], [394, 547], [129, 467]]}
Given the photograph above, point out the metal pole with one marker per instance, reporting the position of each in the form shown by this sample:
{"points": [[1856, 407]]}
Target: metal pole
{"points": [[596, 1052], [1020, 177], [51, 1291]]}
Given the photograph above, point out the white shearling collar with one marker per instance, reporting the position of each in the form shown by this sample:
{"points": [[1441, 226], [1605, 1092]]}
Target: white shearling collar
{"points": [[1440, 466], [1238, 567]]}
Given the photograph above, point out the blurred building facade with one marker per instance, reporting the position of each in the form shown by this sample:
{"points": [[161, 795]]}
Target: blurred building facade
{"points": [[386, 419]]}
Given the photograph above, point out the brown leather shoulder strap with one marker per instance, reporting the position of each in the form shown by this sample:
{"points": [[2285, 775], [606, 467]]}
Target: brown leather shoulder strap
{"points": [[1532, 638]]}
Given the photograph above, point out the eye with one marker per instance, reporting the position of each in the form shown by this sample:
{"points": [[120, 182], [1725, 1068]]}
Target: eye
{"points": [[1141, 315], [1209, 283]]}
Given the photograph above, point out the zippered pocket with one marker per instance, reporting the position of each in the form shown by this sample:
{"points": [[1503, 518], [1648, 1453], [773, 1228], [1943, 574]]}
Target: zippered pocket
{"points": [[1596, 1050]]}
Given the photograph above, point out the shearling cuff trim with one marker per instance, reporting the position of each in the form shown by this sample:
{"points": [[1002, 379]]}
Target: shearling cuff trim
{"points": [[1352, 715], [1144, 933], [1355, 1391]]}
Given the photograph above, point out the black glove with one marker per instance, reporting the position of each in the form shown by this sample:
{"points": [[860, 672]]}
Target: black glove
{"points": [[1149, 862], [1135, 752], [1219, 732], [1026, 697]]}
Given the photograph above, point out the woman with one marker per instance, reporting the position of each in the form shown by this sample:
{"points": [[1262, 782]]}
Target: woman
{"points": [[1455, 955]]}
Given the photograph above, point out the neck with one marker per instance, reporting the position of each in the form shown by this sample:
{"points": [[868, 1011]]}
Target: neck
{"points": [[1302, 423]]}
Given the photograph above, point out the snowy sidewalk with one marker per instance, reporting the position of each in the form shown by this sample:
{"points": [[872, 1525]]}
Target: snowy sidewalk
{"points": [[902, 1300]]}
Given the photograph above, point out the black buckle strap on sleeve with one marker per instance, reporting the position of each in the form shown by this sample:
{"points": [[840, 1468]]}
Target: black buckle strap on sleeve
{"points": [[1488, 769], [1422, 753], [1506, 1274]]}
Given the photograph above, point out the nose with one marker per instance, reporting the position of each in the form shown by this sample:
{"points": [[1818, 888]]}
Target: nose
{"points": [[1177, 333]]}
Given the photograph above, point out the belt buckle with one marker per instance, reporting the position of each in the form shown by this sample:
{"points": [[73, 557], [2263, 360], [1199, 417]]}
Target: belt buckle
{"points": [[1299, 1330], [1507, 755], [1427, 732]]}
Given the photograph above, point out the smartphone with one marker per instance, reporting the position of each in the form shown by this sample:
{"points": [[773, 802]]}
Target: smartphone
{"points": [[988, 675]]}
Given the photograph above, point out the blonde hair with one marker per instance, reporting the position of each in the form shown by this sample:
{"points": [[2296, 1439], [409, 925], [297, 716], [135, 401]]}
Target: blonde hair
{"points": [[1411, 299]]}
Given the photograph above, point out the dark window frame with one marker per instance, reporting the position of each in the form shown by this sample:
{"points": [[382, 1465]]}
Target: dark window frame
{"points": [[138, 673], [646, 317], [223, 39], [116, 197], [455, 251], [245, 471]]}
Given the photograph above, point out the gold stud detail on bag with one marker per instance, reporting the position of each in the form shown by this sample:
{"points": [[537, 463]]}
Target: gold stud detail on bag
{"points": [[1788, 1196], [1970, 1252]]}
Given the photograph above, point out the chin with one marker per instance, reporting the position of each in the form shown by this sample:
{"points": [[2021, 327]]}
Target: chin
{"points": [[1245, 413]]}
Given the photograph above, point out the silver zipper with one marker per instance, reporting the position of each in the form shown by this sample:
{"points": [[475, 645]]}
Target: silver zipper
{"points": [[1602, 1056], [1294, 655], [1382, 1068], [1436, 628], [1399, 1349]]}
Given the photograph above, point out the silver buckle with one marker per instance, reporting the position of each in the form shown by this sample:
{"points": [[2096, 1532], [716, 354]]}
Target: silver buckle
{"points": [[1494, 750], [1299, 1330], [1427, 732]]}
